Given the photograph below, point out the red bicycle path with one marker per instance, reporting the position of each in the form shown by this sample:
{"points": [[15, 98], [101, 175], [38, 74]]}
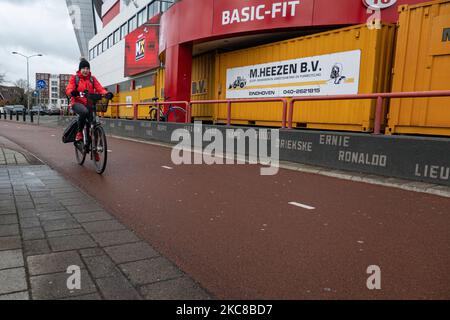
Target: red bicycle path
{"points": [[235, 232]]}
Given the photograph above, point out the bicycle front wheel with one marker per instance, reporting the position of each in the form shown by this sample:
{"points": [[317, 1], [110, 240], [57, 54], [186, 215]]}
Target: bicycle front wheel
{"points": [[100, 149], [80, 152]]}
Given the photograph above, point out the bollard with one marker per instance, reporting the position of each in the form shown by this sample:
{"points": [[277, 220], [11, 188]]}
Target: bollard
{"points": [[31, 117], [10, 115], [17, 116], [24, 116]]}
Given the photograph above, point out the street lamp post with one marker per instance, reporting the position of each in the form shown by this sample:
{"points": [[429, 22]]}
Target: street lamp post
{"points": [[28, 74]]}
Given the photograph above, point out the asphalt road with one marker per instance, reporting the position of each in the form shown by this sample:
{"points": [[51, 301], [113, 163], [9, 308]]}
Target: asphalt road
{"points": [[235, 232]]}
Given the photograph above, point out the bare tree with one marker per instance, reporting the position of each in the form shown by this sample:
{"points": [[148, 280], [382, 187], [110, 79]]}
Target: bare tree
{"points": [[2, 78], [22, 84]]}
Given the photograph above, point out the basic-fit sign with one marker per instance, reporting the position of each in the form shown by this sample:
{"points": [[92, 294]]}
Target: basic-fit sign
{"points": [[330, 74]]}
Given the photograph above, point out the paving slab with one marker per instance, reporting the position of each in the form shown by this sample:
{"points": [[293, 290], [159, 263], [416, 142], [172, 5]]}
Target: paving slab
{"points": [[16, 296], [149, 271], [53, 262], [13, 280], [115, 237], [54, 286], [117, 288], [131, 252], [8, 243], [182, 288], [35, 247], [71, 242], [11, 259]]}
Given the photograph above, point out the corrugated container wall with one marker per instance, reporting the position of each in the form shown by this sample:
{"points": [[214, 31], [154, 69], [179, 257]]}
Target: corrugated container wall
{"points": [[376, 45], [202, 87], [422, 63]]}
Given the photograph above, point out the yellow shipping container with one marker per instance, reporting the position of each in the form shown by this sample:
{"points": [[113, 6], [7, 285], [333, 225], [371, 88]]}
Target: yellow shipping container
{"points": [[376, 48], [422, 63], [202, 87], [159, 83]]}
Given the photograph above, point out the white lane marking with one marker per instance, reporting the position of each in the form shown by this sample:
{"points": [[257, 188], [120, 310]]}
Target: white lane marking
{"points": [[53, 135], [109, 150], [166, 167], [301, 205]]}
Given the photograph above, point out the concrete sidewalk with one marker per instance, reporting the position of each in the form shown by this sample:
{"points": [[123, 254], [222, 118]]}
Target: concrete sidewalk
{"points": [[47, 224]]}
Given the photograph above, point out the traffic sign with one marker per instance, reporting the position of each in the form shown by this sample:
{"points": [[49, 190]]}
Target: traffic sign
{"points": [[41, 84]]}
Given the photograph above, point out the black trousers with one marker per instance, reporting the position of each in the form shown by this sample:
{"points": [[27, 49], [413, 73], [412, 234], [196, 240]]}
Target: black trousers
{"points": [[82, 113]]}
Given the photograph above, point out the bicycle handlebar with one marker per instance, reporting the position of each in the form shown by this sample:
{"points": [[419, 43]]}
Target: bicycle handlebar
{"points": [[94, 96]]}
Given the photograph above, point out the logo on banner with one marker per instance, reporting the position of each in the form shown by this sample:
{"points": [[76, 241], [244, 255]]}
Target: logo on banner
{"points": [[140, 49], [240, 82], [379, 4], [336, 73]]}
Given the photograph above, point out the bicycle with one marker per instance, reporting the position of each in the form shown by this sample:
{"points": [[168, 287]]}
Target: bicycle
{"points": [[94, 137], [164, 117]]}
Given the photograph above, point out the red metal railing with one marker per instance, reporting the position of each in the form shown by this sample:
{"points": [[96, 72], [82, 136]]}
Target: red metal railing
{"points": [[150, 104], [379, 96], [230, 102], [168, 103], [378, 111]]}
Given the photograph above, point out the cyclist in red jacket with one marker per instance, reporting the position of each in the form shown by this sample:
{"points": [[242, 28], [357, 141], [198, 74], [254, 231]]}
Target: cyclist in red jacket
{"points": [[83, 80]]}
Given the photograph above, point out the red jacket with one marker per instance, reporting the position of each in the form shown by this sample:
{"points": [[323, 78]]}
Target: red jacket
{"points": [[84, 84]]}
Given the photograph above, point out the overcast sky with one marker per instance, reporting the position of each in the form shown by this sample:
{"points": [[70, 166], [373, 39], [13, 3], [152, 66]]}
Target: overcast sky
{"points": [[36, 26]]}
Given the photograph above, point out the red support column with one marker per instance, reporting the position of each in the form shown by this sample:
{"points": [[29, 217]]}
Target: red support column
{"points": [[177, 84]]}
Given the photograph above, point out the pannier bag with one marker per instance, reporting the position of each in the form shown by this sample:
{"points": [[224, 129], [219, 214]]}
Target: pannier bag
{"points": [[70, 132]]}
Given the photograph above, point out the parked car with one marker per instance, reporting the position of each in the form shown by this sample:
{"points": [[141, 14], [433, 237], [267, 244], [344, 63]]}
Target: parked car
{"points": [[19, 109], [41, 109], [54, 110], [2, 110], [8, 109]]}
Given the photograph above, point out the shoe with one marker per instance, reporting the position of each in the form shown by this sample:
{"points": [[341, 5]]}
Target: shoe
{"points": [[79, 136], [97, 157]]}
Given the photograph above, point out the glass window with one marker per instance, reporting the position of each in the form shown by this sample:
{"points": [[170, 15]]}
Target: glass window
{"points": [[116, 36], [153, 9], [94, 52], [123, 31], [104, 45], [54, 88], [98, 49], [165, 5], [110, 41], [132, 24], [142, 17], [54, 83]]}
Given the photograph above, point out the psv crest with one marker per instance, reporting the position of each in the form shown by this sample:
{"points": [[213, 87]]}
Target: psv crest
{"points": [[379, 4], [140, 49]]}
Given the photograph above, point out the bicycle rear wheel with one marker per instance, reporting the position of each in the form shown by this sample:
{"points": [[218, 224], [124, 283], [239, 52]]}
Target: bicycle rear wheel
{"points": [[100, 148], [80, 152]]}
